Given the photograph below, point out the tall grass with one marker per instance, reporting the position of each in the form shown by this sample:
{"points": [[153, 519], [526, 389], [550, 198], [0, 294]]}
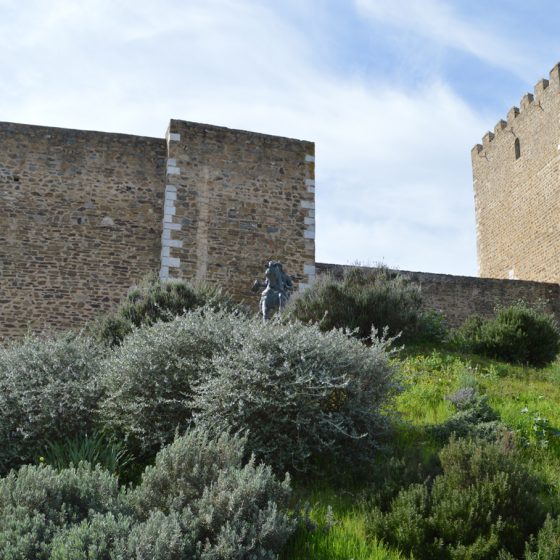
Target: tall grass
{"points": [[334, 528], [95, 449]]}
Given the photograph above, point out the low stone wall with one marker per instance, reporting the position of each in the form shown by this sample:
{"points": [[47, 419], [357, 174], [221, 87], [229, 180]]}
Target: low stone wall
{"points": [[459, 297]]}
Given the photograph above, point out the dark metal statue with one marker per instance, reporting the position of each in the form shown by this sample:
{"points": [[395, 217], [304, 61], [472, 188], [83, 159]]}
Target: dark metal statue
{"points": [[277, 288]]}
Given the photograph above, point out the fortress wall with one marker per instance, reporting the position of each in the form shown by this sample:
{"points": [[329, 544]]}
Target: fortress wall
{"points": [[84, 215], [517, 201], [234, 200], [80, 222], [459, 297]]}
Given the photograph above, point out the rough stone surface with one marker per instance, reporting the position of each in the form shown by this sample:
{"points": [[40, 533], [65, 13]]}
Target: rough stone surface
{"points": [[80, 221], [238, 205], [459, 297], [85, 215], [516, 198]]}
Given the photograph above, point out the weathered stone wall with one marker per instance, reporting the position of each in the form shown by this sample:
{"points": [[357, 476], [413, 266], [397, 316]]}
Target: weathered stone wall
{"points": [[80, 222], [459, 297], [517, 186], [85, 215], [235, 200]]}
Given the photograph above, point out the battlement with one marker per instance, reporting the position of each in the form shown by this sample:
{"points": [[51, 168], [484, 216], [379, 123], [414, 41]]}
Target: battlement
{"points": [[544, 91], [516, 180]]}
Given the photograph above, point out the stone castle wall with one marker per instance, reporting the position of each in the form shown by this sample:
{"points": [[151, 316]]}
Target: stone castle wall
{"points": [[516, 185], [86, 215], [235, 200], [80, 221], [459, 297]]}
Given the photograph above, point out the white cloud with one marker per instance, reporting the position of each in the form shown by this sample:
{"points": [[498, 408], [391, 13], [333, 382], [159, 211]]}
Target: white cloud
{"points": [[393, 167]]}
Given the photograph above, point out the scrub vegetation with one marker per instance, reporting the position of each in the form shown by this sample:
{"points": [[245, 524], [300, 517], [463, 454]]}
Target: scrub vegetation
{"points": [[197, 432]]}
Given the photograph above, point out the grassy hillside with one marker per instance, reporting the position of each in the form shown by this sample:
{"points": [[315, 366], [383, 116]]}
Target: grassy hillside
{"points": [[526, 400], [180, 428]]}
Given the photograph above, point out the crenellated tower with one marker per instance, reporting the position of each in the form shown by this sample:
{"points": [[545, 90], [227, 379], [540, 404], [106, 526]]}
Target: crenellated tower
{"points": [[516, 172]]}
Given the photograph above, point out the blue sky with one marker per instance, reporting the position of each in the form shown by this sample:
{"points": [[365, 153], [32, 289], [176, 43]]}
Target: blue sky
{"points": [[394, 92]]}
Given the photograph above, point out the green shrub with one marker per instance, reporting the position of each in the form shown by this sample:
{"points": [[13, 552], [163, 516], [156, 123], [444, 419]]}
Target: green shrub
{"points": [[230, 506], [546, 545], [517, 334], [398, 466], [473, 418], [102, 536], [36, 501], [483, 502], [165, 537], [154, 300], [366, 297], [184, 469], [305, 397], [149, 379], [49, 390], [198, 502], [301, 393]]}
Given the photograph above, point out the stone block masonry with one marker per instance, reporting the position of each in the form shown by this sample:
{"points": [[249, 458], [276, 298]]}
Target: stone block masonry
{"points": [[516, 173], [80, 222], [85, 215], [237, 200]]}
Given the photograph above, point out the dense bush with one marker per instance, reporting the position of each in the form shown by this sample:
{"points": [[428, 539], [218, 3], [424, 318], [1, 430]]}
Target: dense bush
{"points": [[227, 505], [473, 418], [366, 297], [198, 502], [517, 334], [49, 391], [148, 380], [483, 501], [37, 501], [303, 395], [154, 300], [546, 545], [101, 536]]}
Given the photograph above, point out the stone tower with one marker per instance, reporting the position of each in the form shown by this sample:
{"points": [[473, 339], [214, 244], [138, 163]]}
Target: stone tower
{"points": [[516, 173]]}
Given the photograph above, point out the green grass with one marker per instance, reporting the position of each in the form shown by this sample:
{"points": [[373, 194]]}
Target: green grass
{"points": [[527, 400], [336, 535]]}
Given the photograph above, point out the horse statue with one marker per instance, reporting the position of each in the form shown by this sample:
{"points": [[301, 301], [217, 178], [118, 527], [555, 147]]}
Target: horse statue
{"points": [[277, 288]]}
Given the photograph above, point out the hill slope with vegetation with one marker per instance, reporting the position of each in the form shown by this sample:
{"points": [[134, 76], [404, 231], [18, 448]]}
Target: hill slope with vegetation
{"points": [[181, 427]]}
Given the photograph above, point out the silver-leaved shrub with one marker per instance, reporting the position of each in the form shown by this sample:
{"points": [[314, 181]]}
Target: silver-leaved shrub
{"points": [[36, 502], [49, 390], [306, 398], [200, 501], [303, 396], [148, 380], [228, 508]]}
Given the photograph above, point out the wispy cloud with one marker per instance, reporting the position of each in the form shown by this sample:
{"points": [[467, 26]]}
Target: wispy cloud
{"points": [[393, 168], [440, 22]]}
